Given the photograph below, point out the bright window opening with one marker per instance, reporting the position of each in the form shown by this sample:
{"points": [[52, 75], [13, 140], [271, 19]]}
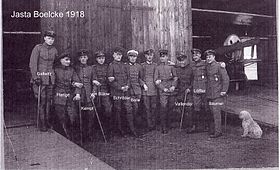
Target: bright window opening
{"points": [[250, 66]]}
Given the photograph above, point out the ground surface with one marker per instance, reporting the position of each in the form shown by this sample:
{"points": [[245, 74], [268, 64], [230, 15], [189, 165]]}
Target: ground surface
{"points": [[179, 150]]}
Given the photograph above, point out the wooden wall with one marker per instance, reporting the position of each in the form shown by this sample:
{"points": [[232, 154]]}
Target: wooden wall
{"points": [[137, 24]]}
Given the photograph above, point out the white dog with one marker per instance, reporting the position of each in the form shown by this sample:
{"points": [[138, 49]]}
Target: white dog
{"points": [[250, 127]]}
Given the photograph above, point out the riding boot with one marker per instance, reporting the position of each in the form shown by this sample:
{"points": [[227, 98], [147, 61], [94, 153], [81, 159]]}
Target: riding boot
{"points": [[130, 119], [42, 122], [119, 124], [64, 126]]}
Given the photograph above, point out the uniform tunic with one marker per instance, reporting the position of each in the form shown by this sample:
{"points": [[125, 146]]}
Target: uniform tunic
{"points": [[199, 84], [150, 96], [85, 75], [119, 71], [64, 92], [217, 82], [149, 72], [168, 76], [102, 91], [41, 63]]}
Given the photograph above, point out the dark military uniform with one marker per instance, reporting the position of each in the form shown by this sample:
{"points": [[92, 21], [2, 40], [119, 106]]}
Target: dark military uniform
{"points": [[185, 77], [119, 71], [86, 76], [168, 76], [136, 82], [102, 92], [41, 67], [217, 82], [150, 96], [63, 96]]}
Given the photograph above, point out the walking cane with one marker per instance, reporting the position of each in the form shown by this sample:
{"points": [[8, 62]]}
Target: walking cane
{"points": [[99, 122], [81, 122], [183, 111], [38, 105]]}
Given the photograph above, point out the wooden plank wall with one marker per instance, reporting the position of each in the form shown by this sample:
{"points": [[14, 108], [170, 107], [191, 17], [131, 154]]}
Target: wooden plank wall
{"points": [[138, 24]]}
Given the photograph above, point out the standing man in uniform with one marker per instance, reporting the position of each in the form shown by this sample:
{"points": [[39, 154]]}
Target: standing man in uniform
{"points": [[41, 67], [135, 71], [118, 77], [150, 90], [65, 79], [217, 86], [86, 77], [199, 87], [184, 90], [166, 80], [101, 88]]}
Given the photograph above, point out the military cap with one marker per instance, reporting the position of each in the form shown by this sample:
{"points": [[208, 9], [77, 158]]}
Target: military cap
{"points": [[82, 52], [163, 52], [209, 52], [50, 34], [149, 52], [196, 50], [63, 55], [132, 53], [99, 54], [181, 56], [118, 50]]}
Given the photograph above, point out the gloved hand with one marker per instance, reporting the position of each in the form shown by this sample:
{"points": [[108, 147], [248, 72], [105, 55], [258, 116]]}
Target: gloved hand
{"points": [[96, 82], [111, 79], [187, 90], [145, 87], [124, 88], [92, 96], [223, 93], [165, 90], [38, 81], [77, 97], [172, 88], [79, 85], [158, 81]]}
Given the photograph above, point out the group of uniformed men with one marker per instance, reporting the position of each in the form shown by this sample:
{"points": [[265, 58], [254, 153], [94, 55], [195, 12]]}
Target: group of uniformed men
{"points": [[195, 87]]}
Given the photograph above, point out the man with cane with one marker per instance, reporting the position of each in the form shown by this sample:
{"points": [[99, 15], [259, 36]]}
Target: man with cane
{"points": [[86, 76], [184, 87], [41, 67], [101, 89]]}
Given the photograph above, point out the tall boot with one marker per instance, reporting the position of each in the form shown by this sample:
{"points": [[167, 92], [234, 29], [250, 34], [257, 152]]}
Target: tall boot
{"points": [[119, 123], [130, 119], [163, 121], [42, 116], [48, 116], [64, 127]]}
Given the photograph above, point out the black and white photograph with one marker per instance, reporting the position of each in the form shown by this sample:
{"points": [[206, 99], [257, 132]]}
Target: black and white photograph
{"points": [[139, 84]]}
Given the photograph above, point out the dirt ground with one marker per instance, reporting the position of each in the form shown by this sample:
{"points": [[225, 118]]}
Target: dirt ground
{"points": [[179, 150]]}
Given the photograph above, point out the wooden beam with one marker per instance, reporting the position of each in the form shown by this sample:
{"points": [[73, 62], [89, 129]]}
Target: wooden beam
{"points": [[230, 12], [20, 32]]}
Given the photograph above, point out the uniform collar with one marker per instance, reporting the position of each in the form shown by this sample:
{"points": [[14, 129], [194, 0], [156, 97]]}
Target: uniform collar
{"points": [[132, 64], [149, 62], [83, 65], [47, 46]]}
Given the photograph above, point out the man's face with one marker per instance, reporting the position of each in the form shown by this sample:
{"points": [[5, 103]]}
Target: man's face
{"points": [[196, 56], [117, 56], [100, 60], [163, 58], [149, 57], [182, 63], [83, 59], [210, 58], [49, 40], [132, 58], [65, 61]]}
